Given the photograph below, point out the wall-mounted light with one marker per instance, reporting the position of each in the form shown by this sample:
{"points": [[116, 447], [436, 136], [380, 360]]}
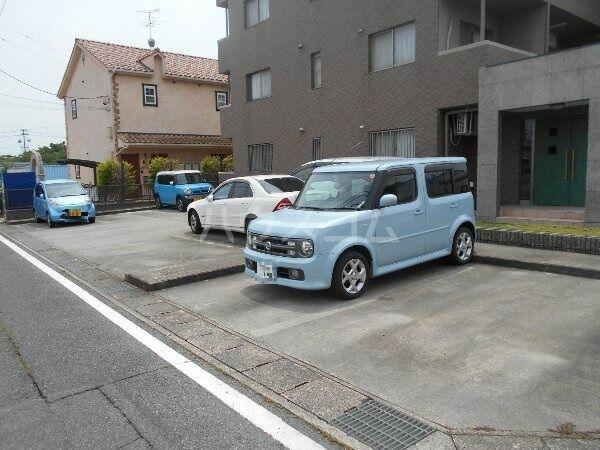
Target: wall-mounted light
{"points": [[301, 130], [300, 46]]}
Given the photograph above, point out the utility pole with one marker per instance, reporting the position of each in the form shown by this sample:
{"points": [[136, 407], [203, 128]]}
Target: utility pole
{"points": [[24, 141]]}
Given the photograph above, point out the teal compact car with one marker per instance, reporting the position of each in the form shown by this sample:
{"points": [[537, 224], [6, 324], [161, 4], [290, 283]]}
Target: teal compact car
{"points": [[356, 221], [180, 188], [62, 201]]}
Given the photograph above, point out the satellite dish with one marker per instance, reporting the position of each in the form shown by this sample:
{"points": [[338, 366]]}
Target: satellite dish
{"points": [[151, 42]]}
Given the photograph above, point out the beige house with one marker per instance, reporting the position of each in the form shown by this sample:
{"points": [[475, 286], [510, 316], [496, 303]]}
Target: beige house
{"points": [[134, 104]]}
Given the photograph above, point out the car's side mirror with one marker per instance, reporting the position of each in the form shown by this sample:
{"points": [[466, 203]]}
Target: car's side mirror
{"points": [[42, 196], [209, 198], [388, 200]]}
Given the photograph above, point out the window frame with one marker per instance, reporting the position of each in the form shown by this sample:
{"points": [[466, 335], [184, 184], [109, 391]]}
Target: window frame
{"points": [[73, 108], [380, 133], [220, 188], [266, 168], [242, 182], [155, 87], [317, 156], [249, 89], [77, 172], [258, 21], [393, 31], [218, 108], [313, 57]]}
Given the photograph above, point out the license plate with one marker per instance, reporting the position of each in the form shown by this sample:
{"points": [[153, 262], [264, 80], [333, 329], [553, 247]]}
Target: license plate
{"points": [[74, 213], [198, 197], [265, 271]]}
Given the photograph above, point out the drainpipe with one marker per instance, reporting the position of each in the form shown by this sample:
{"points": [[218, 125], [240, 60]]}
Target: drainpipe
{"points": [[482, 22]]}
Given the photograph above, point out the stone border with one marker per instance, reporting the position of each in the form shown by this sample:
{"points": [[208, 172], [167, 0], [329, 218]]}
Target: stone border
{"points": [[589, 245]]}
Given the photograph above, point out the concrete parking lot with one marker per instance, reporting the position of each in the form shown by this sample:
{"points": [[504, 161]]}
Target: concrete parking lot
{"points": [[477, 347]]}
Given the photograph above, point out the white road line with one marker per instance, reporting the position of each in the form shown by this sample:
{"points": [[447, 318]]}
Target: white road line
{"points": [[246, 407]]}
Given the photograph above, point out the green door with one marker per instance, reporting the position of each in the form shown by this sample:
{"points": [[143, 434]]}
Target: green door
{"points": [[560, 161]]}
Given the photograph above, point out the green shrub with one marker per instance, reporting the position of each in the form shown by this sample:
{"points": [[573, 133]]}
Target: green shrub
{"points": [[161, 164], [227, 164], [211, 164], [110, 173]]}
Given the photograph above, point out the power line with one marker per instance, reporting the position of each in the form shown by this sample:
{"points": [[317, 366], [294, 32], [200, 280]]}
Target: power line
{"points": [[3, 6], [57, 102], [32, 39], [48, 92], [39, 55]]}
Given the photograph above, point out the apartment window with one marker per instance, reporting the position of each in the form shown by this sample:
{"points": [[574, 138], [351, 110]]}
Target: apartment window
{"points": [[392, 48], [256, 11], [260, 158], [259, 85], [150, 95], [74, 108], [400, 142], [317, 149], [77, 172], [221, 99], [469, 33], [316, 70]]}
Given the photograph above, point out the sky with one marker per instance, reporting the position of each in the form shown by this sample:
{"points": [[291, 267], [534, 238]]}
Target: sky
{"points": [[37, 36]]}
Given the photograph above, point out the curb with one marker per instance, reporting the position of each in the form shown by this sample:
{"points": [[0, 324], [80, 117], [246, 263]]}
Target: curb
{"points": [[540, 267], [98, 213], [149, 286]]}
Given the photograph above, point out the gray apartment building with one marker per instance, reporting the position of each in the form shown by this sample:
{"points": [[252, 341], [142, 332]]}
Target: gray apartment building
{"points": [[512, 85]]}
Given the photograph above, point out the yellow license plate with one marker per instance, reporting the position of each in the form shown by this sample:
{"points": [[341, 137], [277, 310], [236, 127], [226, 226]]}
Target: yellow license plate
{"points": [[74, 213], [199, 197]]}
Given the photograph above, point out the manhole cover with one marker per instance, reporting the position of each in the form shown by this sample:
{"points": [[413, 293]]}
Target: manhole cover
{"points": [[382, 427]]}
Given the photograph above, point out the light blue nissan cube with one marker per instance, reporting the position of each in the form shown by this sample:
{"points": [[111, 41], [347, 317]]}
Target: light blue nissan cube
{"points": [[357, 221]]}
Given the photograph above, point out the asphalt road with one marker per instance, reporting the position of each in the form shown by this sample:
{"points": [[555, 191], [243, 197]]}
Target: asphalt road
{"points": [[71, 378]]}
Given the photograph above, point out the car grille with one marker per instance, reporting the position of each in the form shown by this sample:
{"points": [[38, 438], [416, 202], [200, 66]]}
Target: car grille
{"points": [[272, 245]]}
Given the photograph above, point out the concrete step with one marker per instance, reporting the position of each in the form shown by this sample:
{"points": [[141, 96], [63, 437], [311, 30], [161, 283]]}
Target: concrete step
{"points": [[541, 221], [571, 214]]}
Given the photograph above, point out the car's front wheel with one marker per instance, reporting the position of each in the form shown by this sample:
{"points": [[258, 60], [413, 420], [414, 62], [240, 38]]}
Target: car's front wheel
{"points": [[91, 220], [194, 221], [350, 275], [463, 247], [49, 221], [181, 206]]}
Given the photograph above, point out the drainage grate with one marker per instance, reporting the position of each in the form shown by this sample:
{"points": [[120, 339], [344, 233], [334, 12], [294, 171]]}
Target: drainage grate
{"points": [[382, 427]]}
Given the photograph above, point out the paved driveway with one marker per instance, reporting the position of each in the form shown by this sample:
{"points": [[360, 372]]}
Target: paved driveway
{"points": [[470, 347]]}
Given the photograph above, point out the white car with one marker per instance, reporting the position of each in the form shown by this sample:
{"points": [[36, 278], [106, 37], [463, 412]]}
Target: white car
{"points": [[238, 201]]}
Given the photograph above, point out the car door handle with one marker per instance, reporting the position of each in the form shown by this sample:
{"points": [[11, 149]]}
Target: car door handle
{"points": [[453, 205], [419, 212]]}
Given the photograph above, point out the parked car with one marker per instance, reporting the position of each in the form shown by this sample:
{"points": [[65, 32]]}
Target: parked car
{"points": [[180, 188], [305, 170], [238, 201], [356, 221], [62, 201]]}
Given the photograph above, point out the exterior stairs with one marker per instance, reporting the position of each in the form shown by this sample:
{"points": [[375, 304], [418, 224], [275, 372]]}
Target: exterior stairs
{"points": [[565, 216]]}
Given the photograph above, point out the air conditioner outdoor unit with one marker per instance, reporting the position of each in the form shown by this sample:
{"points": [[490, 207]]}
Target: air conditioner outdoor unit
{"points": [[464, 124]]}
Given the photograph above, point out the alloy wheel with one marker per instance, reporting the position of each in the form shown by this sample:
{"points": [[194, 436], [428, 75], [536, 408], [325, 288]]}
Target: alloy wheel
{"points": [[464, 246], [354, 276]]}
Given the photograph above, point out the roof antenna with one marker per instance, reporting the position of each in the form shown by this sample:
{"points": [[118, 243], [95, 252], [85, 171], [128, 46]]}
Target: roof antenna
{"points": [[151, 23]]}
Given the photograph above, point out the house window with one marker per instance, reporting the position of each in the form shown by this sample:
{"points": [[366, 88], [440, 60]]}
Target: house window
{"points": [[392, 48], [256, 11], [221, 99], [317, 149], [259, 85], [74, 108], [150, 95], [260, 158], [399, 143], [77, 172], [227, 21], [316, 70]]}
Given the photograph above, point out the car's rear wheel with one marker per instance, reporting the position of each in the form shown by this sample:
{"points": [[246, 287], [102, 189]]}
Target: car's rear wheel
{"points": [[195, 224], [181, 205], [463, 247], [350, 275], [49, 221], [91, 220]]}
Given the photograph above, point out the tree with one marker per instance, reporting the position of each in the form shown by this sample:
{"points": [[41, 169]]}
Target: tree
{"points": [[227, 164], [110, 173], [215, 164], [51, 153], [160, 164]]}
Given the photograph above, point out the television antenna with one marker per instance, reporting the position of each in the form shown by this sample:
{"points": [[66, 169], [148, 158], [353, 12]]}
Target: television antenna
{"points": [[150, 23]]}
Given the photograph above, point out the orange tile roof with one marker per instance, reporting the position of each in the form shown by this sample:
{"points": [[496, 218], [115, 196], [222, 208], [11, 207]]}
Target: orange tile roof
{"points": [[172, 139], [127, 58]]}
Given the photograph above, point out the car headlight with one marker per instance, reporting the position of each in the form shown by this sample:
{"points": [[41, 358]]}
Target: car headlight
{"points": [[305, 248], [187, 191]]}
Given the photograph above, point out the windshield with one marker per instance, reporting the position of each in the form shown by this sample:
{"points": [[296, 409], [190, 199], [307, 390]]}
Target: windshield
{"points": [[336, 191], [190, 178], [64, 190], [283, 184]]}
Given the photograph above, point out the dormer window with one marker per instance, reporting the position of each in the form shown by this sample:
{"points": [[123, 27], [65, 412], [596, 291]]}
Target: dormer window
{"points": [[221, 99], [150, 95]]}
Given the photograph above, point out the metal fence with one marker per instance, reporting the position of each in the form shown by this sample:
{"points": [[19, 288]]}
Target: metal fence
{"points": [[115, 197]]}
